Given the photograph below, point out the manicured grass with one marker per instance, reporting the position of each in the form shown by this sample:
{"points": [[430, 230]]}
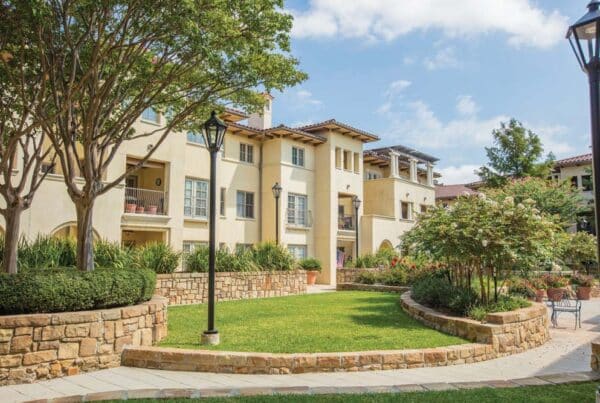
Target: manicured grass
{"points": [[331, 322], [580, 393]]}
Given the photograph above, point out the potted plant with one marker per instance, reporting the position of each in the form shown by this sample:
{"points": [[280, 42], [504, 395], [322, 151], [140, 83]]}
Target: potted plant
{"points": [[312, 267], [152, 209], [130, 208], [556, 286], [540, 288], [583, 286], [139, 210]]}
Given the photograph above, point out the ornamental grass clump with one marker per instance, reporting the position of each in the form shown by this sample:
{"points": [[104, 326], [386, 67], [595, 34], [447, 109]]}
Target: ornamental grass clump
{"points": [[310, 264], [159, 257], [262, 257], [269, 256]]}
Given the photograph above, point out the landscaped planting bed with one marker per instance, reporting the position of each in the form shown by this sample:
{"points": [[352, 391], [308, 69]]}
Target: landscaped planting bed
{"points": [[331, 322]]}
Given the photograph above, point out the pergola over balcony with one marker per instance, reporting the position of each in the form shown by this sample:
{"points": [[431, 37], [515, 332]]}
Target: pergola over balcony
{"points": [[403, 162]]}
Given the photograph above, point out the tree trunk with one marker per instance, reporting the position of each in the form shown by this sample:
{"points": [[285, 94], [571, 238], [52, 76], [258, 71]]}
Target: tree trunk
{"points": [[85, 235], [11, 238]]}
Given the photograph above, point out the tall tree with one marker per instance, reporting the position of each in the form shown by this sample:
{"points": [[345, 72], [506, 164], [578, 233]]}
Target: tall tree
{"points": [[517, 153], [23, 147], [109, 60]]}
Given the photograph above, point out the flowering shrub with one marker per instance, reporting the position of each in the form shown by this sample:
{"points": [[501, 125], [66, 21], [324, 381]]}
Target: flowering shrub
{"points": [[582, 280], [555, 280], [484, 239]]}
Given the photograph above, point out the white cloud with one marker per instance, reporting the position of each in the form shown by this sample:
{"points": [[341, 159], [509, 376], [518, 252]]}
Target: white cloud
{"points": [[306, 98], [391, 93], [455, 175], [523, 21], [443, 59], [466, 106]]}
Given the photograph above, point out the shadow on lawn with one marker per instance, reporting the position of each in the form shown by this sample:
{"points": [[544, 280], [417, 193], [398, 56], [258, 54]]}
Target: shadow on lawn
{"points": [[383, 312]]}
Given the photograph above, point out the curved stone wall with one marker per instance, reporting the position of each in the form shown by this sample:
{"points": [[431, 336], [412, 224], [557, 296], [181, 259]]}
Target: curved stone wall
{"points": [[43, 346], [506, 332]]}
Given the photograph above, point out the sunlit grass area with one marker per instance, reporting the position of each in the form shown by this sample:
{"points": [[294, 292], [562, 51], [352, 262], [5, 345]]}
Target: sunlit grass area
{"points": [[330, 322]]}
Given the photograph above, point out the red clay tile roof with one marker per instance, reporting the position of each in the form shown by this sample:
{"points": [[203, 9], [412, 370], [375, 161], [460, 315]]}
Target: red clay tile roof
{"points": [[449, 192], [364, 135], [573, 161]]}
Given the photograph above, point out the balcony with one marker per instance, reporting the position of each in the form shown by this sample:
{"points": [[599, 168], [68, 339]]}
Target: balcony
{"points": [[145, 201], [346, 222]]}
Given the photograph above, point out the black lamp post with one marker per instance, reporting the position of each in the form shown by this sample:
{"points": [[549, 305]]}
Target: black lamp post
{"points": [[356, 204], [584, 37], [214, 134], [276, 193]]}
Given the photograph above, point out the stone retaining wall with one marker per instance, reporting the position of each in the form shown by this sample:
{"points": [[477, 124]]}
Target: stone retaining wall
{"points": [[349, 275], [596, 356], [371, 287], [192, 288], [43, 346], [506, 332]]}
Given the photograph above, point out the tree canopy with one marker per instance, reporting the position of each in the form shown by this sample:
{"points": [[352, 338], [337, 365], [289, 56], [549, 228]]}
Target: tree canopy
{"points": [[516, 153]]}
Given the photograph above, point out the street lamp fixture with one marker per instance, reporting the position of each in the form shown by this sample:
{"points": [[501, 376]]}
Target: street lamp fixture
{"points": [[277, 193], [356, 204], [584, 37], [214, 134]]}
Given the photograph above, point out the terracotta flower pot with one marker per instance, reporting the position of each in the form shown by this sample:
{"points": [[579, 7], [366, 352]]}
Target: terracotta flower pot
{"points": [[555, 294], [539, 295], [311, 277], [583, 293], [140, 210], [130, 208], [152, 209]]}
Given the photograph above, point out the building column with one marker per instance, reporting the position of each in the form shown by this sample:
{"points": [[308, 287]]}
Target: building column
{"points": [[394, 171], [429, 174], [413, 170]]}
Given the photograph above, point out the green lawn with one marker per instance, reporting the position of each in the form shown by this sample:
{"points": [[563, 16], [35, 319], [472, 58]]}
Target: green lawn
{"points": [[580, 393], [330, 322]]}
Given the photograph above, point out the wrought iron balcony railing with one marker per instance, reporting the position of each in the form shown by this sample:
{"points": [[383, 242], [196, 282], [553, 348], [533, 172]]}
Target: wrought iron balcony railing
{"points": [[144, 201]]}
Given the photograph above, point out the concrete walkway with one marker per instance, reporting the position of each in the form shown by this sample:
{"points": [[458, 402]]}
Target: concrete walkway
{"points": [[565, 358]]}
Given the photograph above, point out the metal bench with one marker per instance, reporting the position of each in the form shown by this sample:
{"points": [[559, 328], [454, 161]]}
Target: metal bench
{"points": [[568, 305]]}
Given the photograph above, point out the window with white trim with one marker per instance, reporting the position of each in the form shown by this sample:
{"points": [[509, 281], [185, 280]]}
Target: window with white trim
{"points": [[298, 251], [150, 115], [298, 156], [246, 153], [222, 202], [297, 210], [245, 204], [191, 246], [195, 201]]}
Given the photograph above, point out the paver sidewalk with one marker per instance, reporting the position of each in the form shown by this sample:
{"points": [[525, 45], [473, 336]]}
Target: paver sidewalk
{"points": [[565, 358]]}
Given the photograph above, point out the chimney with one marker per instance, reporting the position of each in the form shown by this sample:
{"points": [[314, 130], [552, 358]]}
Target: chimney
{"points": [[263, 120]]}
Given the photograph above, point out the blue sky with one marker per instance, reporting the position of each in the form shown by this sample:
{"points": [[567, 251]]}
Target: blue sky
{"points": [[439, 75]]}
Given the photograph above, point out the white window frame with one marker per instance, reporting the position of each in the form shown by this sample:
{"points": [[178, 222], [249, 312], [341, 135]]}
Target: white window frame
{"points": [[190, 246], [198, 206], [298, 251], [297, 210], [243, 205], [149, 115], [247, 153], [298, 156]]}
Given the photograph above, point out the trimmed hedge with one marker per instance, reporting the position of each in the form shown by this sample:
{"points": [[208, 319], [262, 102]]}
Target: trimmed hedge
{"points": [[65, 290]]}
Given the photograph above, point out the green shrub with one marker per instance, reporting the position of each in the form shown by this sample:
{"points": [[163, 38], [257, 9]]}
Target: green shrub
{"points": [[555, 280], [112, 255], [241, 261], [47, 252], [271, 257], [367, 277], [159, 257], [521, 287], [437, 292], [61, 290], [462, 300], [310, 264], [505, 303]]}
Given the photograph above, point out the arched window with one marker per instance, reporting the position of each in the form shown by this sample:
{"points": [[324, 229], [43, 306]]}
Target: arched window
{"points": [[386, 245]]}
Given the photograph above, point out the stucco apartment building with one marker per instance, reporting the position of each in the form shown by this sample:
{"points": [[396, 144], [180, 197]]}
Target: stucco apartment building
{"points": [[320, 167]]}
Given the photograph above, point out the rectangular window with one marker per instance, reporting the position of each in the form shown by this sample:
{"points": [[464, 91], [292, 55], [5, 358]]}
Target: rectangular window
{"points": [[586, 182], [406, 210], [347, 160], [356, 163], [574, 181], [246, 153], [298, 156], [190, 246], [195, 201], [245, 204], [338, 158], [298, 251], [222, 202], [297, 210], [424, 208], [195, 138], [150, 115]]}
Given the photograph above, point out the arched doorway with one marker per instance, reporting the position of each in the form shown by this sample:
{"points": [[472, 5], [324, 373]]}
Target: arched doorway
{"points": [[386, 245], [69, 230]]}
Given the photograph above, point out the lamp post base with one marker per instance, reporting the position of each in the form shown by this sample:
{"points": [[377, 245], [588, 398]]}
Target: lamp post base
{"points": [[210, 338]]}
